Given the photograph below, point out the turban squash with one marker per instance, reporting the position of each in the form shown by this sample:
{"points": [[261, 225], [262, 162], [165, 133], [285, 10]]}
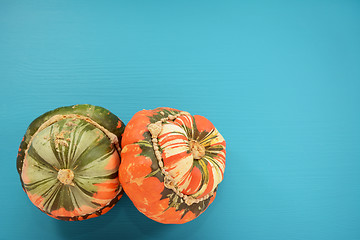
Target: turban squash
{"points": [[68, 162], [172, 163]]}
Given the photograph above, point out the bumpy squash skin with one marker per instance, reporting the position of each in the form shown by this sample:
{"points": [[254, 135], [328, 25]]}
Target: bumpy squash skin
{"points": [[101, 116], [141, 178]]}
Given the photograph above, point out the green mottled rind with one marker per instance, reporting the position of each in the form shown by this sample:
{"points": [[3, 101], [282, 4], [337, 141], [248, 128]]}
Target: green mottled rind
{"points": [[87, 152], [98, 114], [84, 149]]}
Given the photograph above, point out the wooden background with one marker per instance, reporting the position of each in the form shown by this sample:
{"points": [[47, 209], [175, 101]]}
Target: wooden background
{"points": [[279, 79]]}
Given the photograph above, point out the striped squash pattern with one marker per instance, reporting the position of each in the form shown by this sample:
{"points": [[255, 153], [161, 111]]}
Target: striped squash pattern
{"points": [[172, 163], [68, 162]]}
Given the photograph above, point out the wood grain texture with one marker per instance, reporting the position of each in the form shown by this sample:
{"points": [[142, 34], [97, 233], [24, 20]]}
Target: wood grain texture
{"points": [[278, 79]]}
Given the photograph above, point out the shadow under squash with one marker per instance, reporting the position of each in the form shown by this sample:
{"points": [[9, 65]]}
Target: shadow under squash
{"points": [[123, 221]]}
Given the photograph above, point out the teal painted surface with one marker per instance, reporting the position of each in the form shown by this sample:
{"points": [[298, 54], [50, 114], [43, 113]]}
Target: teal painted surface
{"points": [[279, 79]]}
